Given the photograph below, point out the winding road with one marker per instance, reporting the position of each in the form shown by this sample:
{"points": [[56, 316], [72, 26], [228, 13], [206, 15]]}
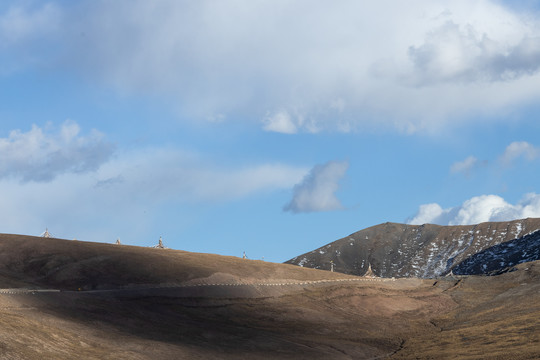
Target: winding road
{"points": [[20, 291]]}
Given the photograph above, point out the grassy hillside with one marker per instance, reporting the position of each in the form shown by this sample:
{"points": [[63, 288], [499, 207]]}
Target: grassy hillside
{"points": [[473, 317]]}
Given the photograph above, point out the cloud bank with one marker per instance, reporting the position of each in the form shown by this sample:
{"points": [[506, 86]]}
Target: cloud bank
{"points": [[40, 155], [478, 209], [317, 190], [58, 178], [160, 174], [286, 65]]}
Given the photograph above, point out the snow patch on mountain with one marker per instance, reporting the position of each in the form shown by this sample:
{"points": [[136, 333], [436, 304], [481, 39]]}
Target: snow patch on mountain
{"points": [[426, 251]]}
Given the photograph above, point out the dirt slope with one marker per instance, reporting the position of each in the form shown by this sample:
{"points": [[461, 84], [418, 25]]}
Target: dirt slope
{"points": [[140, 303], [495, 318], [69, 265]]}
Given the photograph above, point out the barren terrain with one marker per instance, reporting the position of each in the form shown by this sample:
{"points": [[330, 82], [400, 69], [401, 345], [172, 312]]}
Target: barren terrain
{"points": [[429, 251], [65, 299]]}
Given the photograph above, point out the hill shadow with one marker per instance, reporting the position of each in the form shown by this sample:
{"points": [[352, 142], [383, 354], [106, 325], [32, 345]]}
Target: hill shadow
{"points": [[502, 257]]}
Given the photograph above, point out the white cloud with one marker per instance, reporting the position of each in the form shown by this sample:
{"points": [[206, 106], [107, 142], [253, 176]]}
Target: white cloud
{"points": [[519, 149], [38, 155], [479, 209], [515, 150], [27, 35], [317, 190], [428, 213], [530, 206], [454, 53], [19, 24], [440, 61], [169, 174], [465, 166], [127, 193], [289, 123], [280, 122]]}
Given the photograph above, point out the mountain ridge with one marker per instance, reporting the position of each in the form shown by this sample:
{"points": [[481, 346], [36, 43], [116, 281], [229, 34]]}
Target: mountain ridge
{"points": [[429, 250]]}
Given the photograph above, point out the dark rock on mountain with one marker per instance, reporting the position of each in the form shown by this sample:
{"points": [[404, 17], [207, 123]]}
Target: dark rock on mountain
{"points": [[501, 257], [426, 251]]}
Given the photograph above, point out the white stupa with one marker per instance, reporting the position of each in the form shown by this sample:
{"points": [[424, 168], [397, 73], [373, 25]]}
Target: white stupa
{"points": [[46, 234], [369, 272], [160, 244]]}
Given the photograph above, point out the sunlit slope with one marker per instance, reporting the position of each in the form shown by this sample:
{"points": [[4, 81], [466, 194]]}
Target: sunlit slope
{"points": [[496, 317]]}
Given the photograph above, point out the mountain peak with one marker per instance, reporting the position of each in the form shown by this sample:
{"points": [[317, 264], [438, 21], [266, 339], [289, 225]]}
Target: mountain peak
{"points": [[428, 250]]}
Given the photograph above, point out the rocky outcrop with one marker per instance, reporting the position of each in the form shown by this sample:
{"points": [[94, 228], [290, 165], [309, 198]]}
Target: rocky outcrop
{"points": [[426, 251]]}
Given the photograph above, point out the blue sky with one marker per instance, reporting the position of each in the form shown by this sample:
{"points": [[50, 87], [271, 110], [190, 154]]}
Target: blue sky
{"points": [[271, 127]]}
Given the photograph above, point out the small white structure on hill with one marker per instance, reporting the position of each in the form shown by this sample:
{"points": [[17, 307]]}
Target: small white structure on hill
{"points": [[160, 244], [118, 242], [46, 234], [369, 272]]}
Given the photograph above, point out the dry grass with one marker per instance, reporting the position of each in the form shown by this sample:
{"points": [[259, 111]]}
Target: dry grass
{"points": [[68, 265], [475, 318]]}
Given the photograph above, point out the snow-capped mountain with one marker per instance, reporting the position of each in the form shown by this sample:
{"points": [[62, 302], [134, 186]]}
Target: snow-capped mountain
{"points": [[399, 250]]}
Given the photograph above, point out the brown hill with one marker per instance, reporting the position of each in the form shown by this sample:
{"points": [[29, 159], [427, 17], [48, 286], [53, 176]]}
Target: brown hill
{"points": [[429, 251], [143, 303], [69, 265]]}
